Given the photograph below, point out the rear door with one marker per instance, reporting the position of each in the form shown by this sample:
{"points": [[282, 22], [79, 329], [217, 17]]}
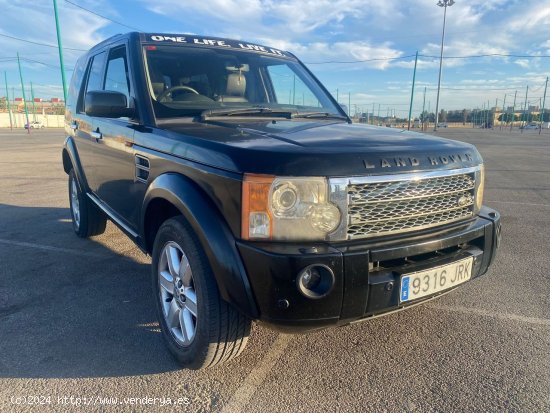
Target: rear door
{"points": [[114, 172]]}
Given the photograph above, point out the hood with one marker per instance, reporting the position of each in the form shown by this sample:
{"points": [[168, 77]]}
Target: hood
{"points": [[313, 148]]}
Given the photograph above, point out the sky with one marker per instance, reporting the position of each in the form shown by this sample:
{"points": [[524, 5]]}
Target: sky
{"points": [[318, 32]]}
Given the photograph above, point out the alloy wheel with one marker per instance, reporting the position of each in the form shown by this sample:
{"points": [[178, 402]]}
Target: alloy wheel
{"points": [[75, 205], [177, 293]]}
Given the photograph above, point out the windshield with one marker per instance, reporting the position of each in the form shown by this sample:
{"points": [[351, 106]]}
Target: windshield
{"points": [[185, 81]]}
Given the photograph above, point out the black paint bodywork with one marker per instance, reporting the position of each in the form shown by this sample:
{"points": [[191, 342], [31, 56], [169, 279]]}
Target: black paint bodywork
{"points": [[198, 166]]}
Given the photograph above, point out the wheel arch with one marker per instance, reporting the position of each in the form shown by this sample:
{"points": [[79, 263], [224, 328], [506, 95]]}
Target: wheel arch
{"points": [[173, 194], [72, 161]]}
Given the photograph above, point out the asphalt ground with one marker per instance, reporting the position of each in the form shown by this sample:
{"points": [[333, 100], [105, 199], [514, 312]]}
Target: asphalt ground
{"points": [[77, 317]]}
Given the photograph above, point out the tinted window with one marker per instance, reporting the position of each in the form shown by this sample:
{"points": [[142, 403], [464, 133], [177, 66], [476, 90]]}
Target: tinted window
{"points": [[76, 82], [183, 81], [289, 88], [116, 78], [95, 79]]}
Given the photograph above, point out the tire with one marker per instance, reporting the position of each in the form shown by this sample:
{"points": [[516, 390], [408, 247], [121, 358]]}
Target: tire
{"points": [[88, 220], [199, 328]]}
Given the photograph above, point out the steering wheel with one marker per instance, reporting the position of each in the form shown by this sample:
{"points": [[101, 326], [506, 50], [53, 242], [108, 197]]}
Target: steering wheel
{"points": [[168, 91]]}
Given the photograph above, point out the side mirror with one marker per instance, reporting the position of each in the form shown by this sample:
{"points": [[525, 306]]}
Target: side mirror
{"points": [[107, 104]]}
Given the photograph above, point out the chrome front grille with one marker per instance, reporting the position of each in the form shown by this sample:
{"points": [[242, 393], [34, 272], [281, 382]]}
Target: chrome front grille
{"points": [[365, 212], [392, 204], [406, 190], [372, 228]]}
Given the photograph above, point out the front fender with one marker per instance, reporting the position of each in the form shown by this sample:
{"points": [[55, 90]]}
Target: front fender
{"points": [[213, 233]]}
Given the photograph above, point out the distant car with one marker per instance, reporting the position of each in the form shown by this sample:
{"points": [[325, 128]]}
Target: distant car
{"points": [[441, 125], [530, 126], [34, 125]]}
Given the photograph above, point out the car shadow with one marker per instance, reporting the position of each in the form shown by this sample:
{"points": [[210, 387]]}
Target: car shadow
{"points": [[71, 307]]}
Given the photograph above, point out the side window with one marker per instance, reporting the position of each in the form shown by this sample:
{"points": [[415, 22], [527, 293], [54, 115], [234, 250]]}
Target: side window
{"points": [[116, 78], [289, 88], [94, 78], [76, 82]]}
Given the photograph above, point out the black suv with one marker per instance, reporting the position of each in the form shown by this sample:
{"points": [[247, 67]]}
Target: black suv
{"points": [[257, 198]]}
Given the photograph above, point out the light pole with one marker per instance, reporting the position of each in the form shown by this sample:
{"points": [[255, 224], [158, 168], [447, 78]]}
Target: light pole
{"points": [[24, 98], [60, 49], [444, 4]]}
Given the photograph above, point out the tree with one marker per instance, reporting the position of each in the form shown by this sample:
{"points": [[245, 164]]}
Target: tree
{"points": [[508, 117], [427, 117]]}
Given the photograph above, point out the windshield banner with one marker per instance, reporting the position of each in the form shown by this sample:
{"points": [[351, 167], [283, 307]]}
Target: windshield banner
{"points": [[213, 42]]}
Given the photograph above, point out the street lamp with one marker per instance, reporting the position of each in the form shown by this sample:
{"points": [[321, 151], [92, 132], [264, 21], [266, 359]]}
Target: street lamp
{"points": [[444, 4]]}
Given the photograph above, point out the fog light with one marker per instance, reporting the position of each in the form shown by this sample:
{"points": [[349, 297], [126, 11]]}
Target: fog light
{"points": [[311, 278], [315, 281]]}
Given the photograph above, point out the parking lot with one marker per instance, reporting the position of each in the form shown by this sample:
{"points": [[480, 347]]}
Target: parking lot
{"points": [[77, 317]]}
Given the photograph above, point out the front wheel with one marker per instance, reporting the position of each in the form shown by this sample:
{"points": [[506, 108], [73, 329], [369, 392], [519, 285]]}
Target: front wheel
{"points": [[200, 329]]}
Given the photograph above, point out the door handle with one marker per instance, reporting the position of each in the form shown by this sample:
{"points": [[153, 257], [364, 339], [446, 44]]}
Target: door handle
{"points": [[74, 126], [96, 135]]}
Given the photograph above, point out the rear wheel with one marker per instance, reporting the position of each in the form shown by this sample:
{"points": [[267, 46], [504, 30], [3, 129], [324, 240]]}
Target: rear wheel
{"points": [[200, 329], [88, 219]]}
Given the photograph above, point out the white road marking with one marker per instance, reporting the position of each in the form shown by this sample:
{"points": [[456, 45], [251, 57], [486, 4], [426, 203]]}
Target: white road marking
{"points": [[493, 314], [256, 377], [54, 249]]}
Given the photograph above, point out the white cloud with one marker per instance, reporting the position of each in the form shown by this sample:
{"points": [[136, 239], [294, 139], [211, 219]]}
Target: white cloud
{"points": [[525, 63], [452, 52], [295, 24], [529, 18], [34, 21], [457, 48], [225, 10], [479, 81], [79, 28], [324, 52], [292, 15]]}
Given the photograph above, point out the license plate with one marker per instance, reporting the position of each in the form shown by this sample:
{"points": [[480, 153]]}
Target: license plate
{"points": [[422, 283]]}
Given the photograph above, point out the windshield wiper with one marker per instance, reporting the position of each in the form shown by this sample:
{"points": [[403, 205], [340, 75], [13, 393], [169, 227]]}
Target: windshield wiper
{"points": [[318, 115], [213, 113]]}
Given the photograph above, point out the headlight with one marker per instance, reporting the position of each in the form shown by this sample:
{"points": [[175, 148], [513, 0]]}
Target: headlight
{"points": [[480, 187], [280, 208]]}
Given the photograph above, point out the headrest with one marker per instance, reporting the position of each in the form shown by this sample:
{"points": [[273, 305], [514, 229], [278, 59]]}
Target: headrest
{"points": [[236, 84], [158, 87]]}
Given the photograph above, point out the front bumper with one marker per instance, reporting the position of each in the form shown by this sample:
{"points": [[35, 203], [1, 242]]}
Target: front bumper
{"points": [[367, 273]]}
